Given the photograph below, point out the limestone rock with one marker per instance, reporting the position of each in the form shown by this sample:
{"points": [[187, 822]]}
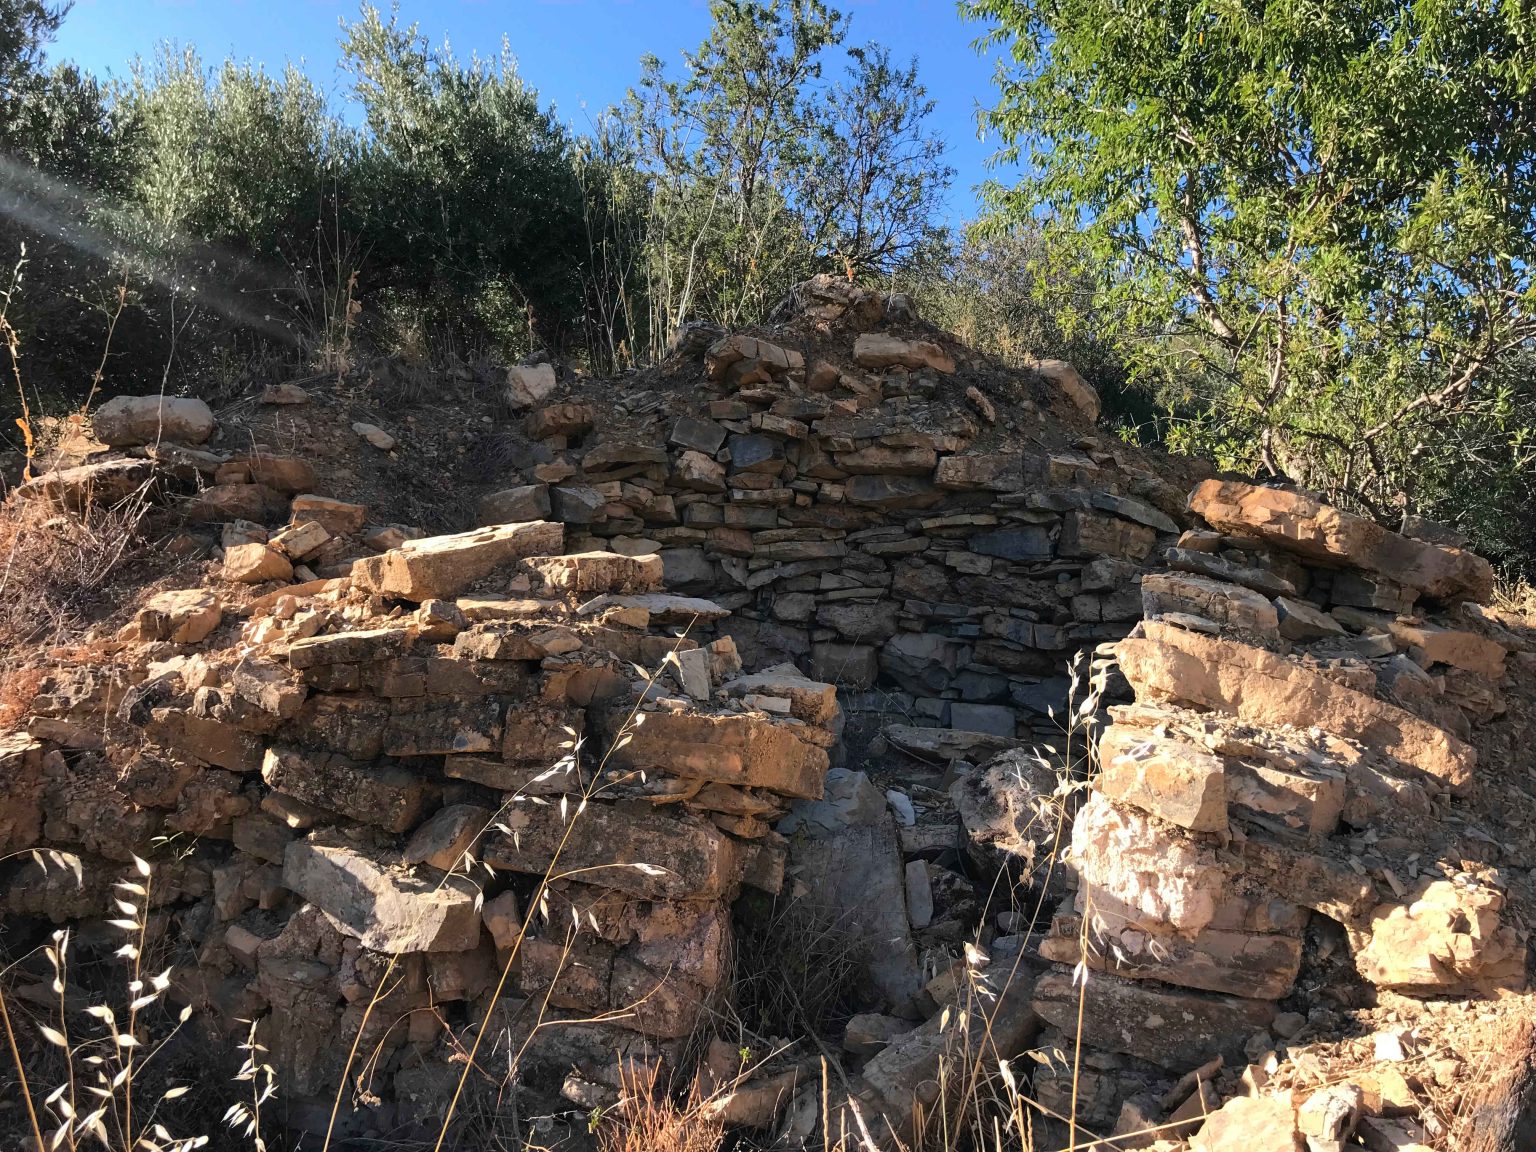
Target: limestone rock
{"points": [[1251, 1124], [300, 540], [1142, 872], [1447, 939], [731, 749], [515, 505], [106, 484], [182, 617], [444, 838], [1301, 622], [256, 564], [591, 573], [387, 796], [337, 517], [911, 1074], [130, 420], [1174, 781], [289, 474], [21, 793], [878, 350], [1231, 606], [387, 908], [1070, 383], [1175, 1028], [891, 493], [854, 666], [999, 808], [810, 700], [375, 436], [1000, 472], [439, 567], [529, 384], [630, 849], [698, 473], [1319, 532], [1170, 663], [222, 503]]}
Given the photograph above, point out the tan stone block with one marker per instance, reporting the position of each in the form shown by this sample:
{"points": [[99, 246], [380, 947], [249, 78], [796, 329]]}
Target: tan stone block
{"points": [[1262, 688], [440, 567], [1320, 532]]}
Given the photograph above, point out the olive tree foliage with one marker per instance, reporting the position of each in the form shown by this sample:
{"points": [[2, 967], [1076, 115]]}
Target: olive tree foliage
{"points": [[465, 188], [876, 180], [759, 171], [1315, 217], [61, 160]]}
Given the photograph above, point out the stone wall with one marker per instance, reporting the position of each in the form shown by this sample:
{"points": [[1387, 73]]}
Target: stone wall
{"points": [[523, 772]]}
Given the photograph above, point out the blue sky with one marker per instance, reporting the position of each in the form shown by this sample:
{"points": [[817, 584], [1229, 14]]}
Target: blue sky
{"points": [[580, 54]]}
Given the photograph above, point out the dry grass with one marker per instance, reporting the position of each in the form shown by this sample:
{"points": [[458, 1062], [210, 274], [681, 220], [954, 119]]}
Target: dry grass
{"points": [[650, 1119], [57, 570], [798, 970]]}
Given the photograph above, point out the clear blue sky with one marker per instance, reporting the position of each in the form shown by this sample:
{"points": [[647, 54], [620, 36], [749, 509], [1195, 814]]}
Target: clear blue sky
{"points": [[580, 54]]}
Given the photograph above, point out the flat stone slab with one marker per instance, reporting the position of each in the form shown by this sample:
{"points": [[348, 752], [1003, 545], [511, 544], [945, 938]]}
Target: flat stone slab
{"points": [[946, 743], [388, 909], [628, 848], [1174, 1028], [440, 567], [1319, 531], [1169, 663], [743, 750]]}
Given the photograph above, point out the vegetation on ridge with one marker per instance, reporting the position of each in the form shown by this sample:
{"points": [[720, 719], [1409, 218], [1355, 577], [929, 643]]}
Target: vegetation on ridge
{"points": [[1295, 238]]}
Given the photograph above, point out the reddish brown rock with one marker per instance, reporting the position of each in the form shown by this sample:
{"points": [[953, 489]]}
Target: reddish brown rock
{"points": [[733, 749], [440, 567], [1320, 532], [1169, 663]]}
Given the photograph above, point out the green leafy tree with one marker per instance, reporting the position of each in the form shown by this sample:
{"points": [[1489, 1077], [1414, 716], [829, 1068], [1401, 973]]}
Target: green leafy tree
{"points": [[230, 155], [760, 172], [1316, 217], [875, 183], [466, 192], [723, 146]]}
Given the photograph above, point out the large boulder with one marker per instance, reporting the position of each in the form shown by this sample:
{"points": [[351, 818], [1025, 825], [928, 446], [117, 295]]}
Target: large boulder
{"points": [[126, 421]]}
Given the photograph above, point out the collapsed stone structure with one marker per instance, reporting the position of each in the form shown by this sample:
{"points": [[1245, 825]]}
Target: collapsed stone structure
{"points": [[794, 627]]}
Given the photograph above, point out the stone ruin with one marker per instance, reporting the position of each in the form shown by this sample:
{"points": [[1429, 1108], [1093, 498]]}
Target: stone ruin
{"points": [[804, 625]]}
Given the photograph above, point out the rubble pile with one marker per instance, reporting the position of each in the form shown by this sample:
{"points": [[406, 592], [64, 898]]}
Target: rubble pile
{"points": [[796, 615]]}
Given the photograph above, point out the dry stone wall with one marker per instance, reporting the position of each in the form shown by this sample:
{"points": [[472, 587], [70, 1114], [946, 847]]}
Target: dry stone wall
{"points": [[798, 622]]}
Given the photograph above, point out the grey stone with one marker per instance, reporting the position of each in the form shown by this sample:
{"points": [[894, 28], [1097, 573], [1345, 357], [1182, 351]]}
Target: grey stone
{"points": [[1219, 567], [688, 570], [129, 420], [919, 894], [388, 909], [865, 622], [846, 665], [515, 505], [699, 435], [1300, 621], [924, 663], [994, 719], [576, 504], [756, 453], [1030, 542], [891, 492]]}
